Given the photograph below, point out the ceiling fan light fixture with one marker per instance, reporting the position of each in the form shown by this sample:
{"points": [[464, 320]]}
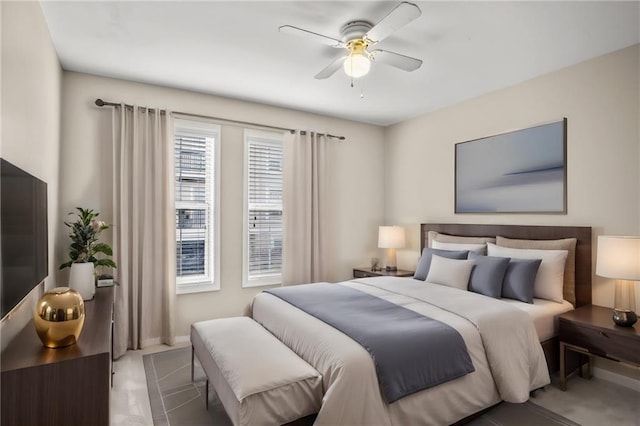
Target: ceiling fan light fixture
{"points": [[356, 65], [358, 36]]}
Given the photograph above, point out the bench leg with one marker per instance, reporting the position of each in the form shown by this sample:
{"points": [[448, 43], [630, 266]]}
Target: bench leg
{"points": [[206, 395], [589, 374], [563, 375], [192, 356]]}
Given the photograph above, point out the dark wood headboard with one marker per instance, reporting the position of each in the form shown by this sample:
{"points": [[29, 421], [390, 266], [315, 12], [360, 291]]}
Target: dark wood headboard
{"points": [[581, 233]]}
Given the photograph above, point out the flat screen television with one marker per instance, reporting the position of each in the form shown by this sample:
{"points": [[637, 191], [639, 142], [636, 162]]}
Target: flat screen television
{"points": [[23, 234]]}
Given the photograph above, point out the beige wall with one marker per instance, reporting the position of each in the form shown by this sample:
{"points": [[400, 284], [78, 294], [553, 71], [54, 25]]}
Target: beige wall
{"points": [[600, 99], [356, 178], [31, 84]]}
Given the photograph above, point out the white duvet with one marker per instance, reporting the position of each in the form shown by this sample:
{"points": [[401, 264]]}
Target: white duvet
{"points": [[501, 340]]}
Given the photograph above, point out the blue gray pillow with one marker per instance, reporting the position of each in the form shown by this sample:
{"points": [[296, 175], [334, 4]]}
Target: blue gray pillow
{"points": [[487, 274], [519, 279], [422, 270]]}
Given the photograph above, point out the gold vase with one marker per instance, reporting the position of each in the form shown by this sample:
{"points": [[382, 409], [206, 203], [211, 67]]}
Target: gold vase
{"points": [[59, 317]]}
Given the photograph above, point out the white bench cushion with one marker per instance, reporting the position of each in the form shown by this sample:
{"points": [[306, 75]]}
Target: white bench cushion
{"points": [[259, 380]]}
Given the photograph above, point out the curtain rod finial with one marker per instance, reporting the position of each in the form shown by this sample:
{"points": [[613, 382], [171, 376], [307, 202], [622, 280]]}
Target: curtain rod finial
{"points": [[99, 102]]}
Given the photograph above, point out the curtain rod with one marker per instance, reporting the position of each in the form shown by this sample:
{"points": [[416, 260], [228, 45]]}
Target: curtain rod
{"points": [[99, 102]]}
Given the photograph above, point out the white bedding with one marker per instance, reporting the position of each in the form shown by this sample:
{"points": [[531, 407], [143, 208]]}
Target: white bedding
{"points": [[511, 366], [544, 314]]}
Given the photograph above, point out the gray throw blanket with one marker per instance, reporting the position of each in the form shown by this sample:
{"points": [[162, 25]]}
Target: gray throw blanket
{"points": [[411, 352]]}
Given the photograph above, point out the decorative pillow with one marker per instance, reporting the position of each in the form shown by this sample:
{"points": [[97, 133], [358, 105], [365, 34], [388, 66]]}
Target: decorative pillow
{"points": [[520, 278], [450, 272], [549, 281], [445, 238], [569, 244], [487, 274], [422, 270], [476, 248]]}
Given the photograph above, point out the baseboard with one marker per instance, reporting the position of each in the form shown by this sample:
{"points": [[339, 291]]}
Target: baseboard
{"points": [[183, 339], [151, 342], [616, 378]]}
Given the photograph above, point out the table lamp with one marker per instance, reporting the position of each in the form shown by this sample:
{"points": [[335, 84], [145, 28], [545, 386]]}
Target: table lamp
{"points": [[619, 258], [391, 238]]}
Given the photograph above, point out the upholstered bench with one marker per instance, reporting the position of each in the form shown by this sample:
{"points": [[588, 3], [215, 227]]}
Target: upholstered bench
{"points": [[258, 379]]}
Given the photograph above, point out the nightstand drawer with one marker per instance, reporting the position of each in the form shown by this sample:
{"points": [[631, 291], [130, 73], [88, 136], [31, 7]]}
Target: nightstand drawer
{"points": [[600, 342], [362, 274]]}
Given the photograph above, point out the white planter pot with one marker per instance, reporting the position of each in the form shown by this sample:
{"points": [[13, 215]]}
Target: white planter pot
{"points": [[81, 279]]}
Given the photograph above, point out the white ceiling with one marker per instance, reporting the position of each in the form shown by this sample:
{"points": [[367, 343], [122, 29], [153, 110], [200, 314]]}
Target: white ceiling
{"points": [[234, 49]]}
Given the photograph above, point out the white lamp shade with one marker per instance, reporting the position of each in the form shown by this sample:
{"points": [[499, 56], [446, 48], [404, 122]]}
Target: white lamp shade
{"points": [[356, 65], [391, 237], [618, 257]]}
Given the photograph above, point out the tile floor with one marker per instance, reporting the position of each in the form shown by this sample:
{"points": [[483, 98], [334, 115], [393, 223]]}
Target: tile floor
{"points": [[594, 402]]}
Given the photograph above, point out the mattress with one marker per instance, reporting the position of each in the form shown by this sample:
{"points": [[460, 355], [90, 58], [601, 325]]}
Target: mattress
{"points": [[544, 314]]}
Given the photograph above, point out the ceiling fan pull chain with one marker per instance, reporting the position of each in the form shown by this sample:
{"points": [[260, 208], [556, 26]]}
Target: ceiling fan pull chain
{"points": [[351, 67], [362, 89]]}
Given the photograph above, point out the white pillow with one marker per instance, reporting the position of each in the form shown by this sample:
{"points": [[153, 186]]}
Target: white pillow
{"points": [[476, 248], [550, 278], [450, 272]]}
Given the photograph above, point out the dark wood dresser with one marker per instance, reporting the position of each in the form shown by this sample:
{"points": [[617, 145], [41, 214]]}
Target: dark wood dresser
{"points": [[65, 386]]}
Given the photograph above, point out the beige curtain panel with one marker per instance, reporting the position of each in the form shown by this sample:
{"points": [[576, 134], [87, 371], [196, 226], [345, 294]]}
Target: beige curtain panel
{"points": [[144, 228], [304, 216]]}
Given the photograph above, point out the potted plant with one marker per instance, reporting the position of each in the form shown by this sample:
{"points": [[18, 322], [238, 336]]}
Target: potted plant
{"points": [[84, 250]]}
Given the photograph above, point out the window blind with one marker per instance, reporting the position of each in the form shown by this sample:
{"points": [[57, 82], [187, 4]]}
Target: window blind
{"points": [[264, 203], [194, 191]]}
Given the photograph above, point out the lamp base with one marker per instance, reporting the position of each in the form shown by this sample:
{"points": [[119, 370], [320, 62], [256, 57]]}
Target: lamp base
{"points": [[391, 260], [624, 318]]}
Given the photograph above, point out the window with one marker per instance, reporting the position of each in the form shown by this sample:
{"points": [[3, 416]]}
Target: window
{"points": [[263, 209], [196, 149]]}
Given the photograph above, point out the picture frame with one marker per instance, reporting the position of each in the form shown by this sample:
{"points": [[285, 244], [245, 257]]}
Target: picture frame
{"points": [[521, 171]]}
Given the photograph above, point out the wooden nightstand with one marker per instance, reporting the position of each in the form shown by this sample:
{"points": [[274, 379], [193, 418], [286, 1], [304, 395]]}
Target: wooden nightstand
{"points": [[591, 331], [367, 272]]}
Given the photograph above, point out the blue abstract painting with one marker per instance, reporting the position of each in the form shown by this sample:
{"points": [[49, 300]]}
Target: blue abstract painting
{"points": [[517, 172]]}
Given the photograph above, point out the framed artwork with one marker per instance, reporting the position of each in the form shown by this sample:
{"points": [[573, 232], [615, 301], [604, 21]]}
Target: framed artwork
{"points": [[524, 171]]}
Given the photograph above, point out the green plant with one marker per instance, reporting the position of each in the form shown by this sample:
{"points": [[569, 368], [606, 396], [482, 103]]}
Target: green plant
{"points": [[84, 236]]}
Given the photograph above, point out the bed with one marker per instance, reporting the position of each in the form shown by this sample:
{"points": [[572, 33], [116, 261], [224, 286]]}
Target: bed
{"points": [[504, 369], [583, 261]]}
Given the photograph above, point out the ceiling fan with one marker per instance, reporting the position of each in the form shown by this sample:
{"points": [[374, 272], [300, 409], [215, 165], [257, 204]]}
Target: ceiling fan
{"points": [[358, 37]]}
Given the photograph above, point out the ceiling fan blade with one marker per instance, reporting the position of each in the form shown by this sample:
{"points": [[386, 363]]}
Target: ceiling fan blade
{"points": [[331, 68], [399, 17], [397, 60], [329, 41]]}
